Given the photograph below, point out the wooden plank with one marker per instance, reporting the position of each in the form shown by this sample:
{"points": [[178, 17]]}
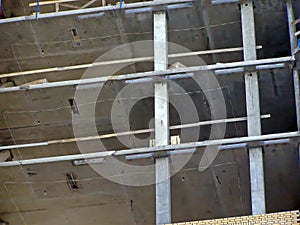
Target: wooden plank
{"points": [[40, 81], [295, 22], [88, 4], [33, 4], [69, 6], [56, 7]]}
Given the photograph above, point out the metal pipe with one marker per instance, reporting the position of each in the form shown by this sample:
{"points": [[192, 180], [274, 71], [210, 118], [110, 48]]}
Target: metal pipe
{"points": [[227, 71], [233, 146], [139, 156], [241, 70], [152, 155], [170, 77], [39, 144], [57, 159], [273, 66], [180, 6], [216, 2], [276, 142], [140, 10], [91, 16], [88, 161]]}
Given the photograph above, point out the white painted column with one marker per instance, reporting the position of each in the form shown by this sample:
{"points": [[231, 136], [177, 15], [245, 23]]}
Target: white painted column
{"points": [[253, 110], [161, 104], [293, 43]]}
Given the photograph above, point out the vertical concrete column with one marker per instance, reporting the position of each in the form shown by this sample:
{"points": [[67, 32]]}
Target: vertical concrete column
{"points": [[253, 110], [161, 104], [293, 43]]}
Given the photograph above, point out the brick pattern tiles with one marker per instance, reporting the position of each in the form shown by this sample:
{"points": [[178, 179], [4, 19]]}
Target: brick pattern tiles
{"points": [[282, 218]]}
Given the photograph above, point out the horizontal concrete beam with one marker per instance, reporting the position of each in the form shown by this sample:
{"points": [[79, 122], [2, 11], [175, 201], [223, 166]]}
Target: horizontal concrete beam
{"points": [[120, 61], [126, 133], [154, 73], [160, 3], [253, 140]]}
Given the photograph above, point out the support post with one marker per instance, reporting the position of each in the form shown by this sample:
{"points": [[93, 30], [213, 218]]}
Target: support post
{"points": [[253, 110], [293, 43], [56, 7], [161, 104]]}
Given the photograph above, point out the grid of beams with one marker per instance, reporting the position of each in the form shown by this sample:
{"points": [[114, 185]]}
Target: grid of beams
{"points": [[137, 5], [163, 187]]}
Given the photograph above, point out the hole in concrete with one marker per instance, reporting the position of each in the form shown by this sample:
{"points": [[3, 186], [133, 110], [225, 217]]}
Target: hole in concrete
{"points": [[73, 106], [6, 156], [218, 180], [74, 32], [31, 173], [2, 222], [71, 181], [131, 205], [76, 38]]}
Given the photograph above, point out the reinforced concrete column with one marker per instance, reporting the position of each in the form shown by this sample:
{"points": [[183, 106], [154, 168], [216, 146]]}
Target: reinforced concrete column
{"points": [[293, 43], [161, 104], [253, 110]]}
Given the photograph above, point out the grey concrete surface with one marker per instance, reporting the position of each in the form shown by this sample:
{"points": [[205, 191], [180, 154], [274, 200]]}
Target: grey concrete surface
{"points": [[39, 194]]}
